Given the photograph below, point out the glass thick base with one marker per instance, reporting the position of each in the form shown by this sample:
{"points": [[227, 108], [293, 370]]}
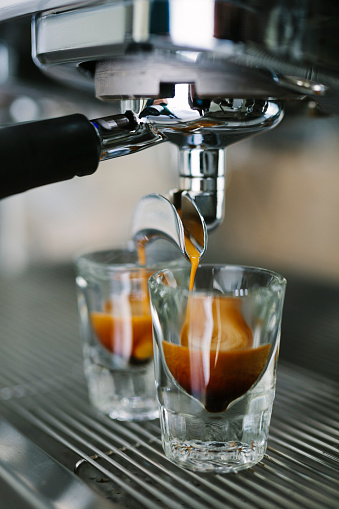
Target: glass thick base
{"points": [[217, 457], [222, 442], [125, 395], [133, 410]]}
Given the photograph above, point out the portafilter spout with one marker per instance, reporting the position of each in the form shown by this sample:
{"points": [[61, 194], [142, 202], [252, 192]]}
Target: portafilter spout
{"points": [[156, 217], [202, 129]]}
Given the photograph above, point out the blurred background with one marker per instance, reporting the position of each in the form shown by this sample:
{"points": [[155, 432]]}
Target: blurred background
{"points": [[282, 196]]}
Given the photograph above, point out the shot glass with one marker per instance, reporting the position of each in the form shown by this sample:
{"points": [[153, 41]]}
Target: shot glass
{"points": [[216, 351], [116, 327]]}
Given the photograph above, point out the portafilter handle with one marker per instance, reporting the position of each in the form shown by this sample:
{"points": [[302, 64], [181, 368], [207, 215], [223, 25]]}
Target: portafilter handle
{"points": [[34, 154]]}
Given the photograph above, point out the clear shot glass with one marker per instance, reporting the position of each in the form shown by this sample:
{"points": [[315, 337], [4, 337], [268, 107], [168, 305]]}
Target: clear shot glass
{"points": [[116, 328], [216, 351]]}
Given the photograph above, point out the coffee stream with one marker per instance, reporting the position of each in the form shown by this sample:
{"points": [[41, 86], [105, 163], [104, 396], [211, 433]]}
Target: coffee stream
{"points": [[215, 361], [194, 257]]}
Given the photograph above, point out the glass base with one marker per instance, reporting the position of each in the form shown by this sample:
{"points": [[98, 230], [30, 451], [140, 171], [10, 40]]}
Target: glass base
{"points": [[125, 395], [222, 442], [134, 413], [218, 457]]}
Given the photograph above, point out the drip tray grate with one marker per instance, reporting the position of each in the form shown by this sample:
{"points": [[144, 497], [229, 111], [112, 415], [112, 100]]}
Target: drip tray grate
{"points": [[43, 395], [124, 461]]}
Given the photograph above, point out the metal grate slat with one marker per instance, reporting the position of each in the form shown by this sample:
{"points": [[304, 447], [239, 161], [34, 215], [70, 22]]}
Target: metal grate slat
{"points": [[146, 502]]}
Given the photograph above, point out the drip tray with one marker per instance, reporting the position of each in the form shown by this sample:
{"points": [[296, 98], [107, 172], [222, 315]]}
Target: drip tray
{"points": [[43, 397]]}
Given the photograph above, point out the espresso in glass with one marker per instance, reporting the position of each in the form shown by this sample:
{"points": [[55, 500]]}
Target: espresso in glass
{"points": [[216, 349]]}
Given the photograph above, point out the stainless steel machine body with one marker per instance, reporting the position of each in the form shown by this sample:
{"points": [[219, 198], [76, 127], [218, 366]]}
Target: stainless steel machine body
{"points": [[234, 56], [237, 60], [139, 48]]}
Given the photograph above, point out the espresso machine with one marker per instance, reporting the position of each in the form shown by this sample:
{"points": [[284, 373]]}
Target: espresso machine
{"points": [[202, 75]]}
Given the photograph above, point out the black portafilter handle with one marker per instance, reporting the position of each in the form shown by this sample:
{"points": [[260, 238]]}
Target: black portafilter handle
{"points": [[34, 154]]}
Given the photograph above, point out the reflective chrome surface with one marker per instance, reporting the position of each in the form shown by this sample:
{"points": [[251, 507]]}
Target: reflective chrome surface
{"points": [[222, 49], [227, 48], [15, 8], [128, 49], [120, 142], [201, 129], [191, 122], [157, 217], [38, 479]]}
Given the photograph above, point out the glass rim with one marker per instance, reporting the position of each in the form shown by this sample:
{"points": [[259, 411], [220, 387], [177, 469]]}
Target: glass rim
{"points": [[278, 278], [87, 258]]}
